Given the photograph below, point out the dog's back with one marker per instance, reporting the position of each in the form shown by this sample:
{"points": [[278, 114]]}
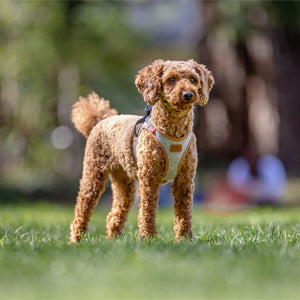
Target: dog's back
{"points": [[93, 116], [117, 133]]}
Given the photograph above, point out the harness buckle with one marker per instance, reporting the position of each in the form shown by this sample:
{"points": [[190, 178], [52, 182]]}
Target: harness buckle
{"points": [[147, 112]]}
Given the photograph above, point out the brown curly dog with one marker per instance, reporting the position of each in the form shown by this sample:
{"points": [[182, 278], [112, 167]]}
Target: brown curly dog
{"points": [[165, 149]]}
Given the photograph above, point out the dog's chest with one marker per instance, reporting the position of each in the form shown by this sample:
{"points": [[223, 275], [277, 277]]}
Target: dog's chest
{"points": [[173, 149]]}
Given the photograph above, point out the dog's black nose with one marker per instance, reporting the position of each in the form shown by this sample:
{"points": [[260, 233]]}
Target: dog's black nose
{"points": [[188, 96]]}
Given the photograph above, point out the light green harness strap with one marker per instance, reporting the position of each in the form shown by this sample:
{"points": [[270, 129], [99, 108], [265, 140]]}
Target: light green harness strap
{"points": [[173, 149]]}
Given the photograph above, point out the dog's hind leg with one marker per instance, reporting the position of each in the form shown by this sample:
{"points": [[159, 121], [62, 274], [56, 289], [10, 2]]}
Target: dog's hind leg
{"points": [[124, 190], [92, 185]]}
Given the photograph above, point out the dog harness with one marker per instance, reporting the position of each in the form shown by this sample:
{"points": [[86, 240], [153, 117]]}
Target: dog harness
{"points": [[174, 149]]}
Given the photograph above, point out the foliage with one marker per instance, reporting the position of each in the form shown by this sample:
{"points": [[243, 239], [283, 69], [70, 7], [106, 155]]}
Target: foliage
{"points": [[243, 18], [53, 51], [50, 53], [260, 40], [251, 255]]}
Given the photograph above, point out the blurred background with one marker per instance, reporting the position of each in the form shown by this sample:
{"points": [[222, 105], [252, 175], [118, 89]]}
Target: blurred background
{"points": [[51, 52]]}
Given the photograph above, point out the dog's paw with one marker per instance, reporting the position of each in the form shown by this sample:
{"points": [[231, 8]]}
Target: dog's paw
{"points": [[184, 236], [75, 234]]}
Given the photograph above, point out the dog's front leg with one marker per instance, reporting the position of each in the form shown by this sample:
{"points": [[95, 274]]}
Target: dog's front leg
{"points": [[151, 166], [182, 189], [148, 193]]}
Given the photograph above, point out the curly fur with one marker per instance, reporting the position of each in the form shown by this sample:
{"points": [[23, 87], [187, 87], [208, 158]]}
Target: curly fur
{"points": [[86, 113], [109, 150]]}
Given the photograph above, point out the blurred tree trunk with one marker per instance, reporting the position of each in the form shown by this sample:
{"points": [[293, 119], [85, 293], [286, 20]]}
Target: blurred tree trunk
{"points": [[229, 66], [287, 54], [257, 82]]}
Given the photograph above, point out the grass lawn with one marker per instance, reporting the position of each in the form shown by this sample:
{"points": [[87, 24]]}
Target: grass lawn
{"points": [[251, 255]]}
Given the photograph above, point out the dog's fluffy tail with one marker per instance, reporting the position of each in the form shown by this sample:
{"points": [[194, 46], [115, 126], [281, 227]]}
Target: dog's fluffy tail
{"points": [[89, 111]]}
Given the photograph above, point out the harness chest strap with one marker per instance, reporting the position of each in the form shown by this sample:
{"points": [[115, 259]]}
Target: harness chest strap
{"points": [[174, 149]]}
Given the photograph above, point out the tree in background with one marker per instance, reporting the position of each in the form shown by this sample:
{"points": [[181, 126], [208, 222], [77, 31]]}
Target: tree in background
{"points": [[50, 53], [253, 49]]}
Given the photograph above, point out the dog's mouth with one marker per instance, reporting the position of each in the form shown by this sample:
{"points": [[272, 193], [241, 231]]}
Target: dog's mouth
{"points": [[182, 105], [172, 106]]}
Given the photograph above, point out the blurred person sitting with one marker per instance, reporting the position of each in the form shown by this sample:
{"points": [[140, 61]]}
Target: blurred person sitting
{"points": [[250, 180], [261, 178]]}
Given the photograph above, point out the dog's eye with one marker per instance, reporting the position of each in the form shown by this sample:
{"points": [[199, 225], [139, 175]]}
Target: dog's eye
{"points": [[193, 80], [171, 79]]}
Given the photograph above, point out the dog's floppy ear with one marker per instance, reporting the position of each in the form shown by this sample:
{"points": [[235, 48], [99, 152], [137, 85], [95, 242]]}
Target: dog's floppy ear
{"points": [[148, 81], [207, 81]]}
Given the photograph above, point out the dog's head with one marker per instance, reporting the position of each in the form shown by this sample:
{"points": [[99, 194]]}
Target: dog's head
{"points": [[178, 83]]}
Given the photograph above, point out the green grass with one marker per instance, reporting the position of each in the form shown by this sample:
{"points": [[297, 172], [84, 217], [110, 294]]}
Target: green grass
{"points": [[254, 254]]}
